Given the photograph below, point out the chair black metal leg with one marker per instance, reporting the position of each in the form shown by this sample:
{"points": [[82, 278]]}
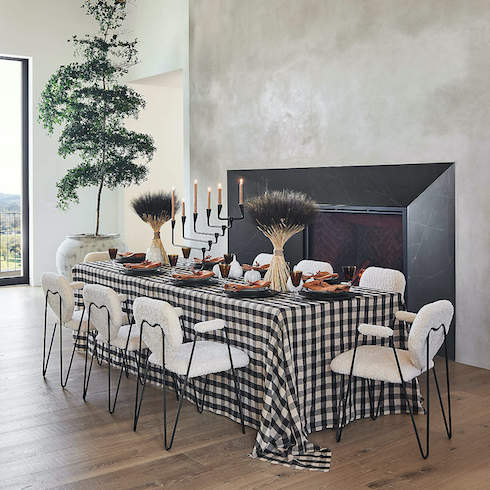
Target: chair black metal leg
{"points": [[64, 383], [200, 406], [423, 453], [168, 445], [138, 402], [239, 399], [380, 398], [46, 358], [176, 386], [86, 377], [448, 425], [113, 408], [342, 408], [235, 382]]}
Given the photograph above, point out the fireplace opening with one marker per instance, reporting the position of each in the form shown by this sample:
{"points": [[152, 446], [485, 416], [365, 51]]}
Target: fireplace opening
{"points": [[343, 235]]}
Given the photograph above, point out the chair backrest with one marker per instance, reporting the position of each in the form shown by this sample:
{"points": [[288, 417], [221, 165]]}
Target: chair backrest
{"points": [[430, 316], [263, 259], [104, 300], [310, 267], [389, 280], [156, 312], [96, 257], [56, 283]]}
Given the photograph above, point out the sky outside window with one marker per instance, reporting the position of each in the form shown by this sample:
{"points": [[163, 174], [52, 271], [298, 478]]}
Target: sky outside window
{"points": [[10, 126]]}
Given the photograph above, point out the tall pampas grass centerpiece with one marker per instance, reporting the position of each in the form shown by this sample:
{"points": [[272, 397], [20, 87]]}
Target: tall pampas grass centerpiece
{"points": [[279, 215], [155, 208]]}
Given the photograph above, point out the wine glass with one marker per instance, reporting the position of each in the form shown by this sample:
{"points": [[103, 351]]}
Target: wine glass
{"points": [[224, 269], [296, 277], [349, 273], [186, 252], [173, 258], [113, 254]]}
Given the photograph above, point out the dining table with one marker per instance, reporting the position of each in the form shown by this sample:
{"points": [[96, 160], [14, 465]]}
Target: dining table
{"points": [[288, 390]]}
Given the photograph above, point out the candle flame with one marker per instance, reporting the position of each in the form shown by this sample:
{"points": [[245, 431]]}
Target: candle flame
{"points": [[195, 181]]}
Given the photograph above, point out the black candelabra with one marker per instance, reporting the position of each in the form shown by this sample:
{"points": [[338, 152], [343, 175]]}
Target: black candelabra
{"points": [[206, 244]]}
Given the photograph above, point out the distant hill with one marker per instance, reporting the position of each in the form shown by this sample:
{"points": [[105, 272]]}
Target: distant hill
{"points": [[9, 202]]}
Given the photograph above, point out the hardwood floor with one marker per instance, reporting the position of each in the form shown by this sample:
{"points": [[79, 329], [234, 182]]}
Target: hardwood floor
{"points": [[50, 438]]}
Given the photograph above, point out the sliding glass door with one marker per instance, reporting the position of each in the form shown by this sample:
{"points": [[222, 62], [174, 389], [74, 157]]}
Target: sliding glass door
{"points": [[14, 158]]}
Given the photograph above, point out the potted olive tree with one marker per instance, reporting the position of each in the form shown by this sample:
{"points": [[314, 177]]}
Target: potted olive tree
{"points": [[87, 100]]}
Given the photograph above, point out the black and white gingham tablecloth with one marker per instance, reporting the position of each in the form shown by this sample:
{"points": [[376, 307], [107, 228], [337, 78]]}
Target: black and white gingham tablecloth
{"points": [[288, 390]]}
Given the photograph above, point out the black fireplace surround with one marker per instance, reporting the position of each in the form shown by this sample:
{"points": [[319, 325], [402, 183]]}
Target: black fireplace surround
{"points": [[396, 216]]}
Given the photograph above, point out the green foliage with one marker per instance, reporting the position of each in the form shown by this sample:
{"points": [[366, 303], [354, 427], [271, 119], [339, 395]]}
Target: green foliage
{"points": [[86, 99]]}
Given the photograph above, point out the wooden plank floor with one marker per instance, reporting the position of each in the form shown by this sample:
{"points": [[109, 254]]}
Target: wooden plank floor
{"points": [[50, 438]]}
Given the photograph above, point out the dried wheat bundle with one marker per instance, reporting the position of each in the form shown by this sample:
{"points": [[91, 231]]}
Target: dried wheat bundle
{"points": [[155, 208], [279, 215]]}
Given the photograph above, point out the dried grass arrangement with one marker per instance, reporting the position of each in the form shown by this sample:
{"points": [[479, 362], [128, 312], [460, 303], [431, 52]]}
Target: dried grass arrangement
{"points": [[155, 208], [279, 215]]}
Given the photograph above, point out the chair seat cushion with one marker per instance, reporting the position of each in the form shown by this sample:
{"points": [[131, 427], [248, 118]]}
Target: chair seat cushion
{"points": [[75, 321], [122, 338], [208, 358], [376, 362]]}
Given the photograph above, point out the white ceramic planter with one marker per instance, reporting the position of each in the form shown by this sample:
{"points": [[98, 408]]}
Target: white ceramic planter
{"points": [[73, 249]]}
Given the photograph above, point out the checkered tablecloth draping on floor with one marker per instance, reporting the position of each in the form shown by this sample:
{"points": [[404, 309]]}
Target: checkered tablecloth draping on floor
{"points": [[288, 390]]}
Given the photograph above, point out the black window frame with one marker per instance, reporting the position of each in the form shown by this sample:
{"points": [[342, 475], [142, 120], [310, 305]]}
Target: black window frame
{"points": [[24, 278]]}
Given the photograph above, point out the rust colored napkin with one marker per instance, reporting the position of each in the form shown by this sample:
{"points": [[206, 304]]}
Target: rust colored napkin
{"points": [[132, 255], [143, 265], [259, 268], [319, 285], [233, 286], [209, 260], [321, 276], [194, 275]]}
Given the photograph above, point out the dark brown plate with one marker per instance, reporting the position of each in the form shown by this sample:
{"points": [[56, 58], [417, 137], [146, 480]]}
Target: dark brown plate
{"points": [[131, 260], [251, 293], [327, 295]]}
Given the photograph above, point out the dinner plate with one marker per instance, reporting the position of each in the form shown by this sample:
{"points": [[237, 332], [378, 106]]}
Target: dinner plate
{"points": [[130, 260], [251, 293], [207, 265], [327, 295], [198, 281], [141, 272]]}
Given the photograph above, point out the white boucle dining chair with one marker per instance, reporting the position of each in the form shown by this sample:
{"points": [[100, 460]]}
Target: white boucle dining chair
{"points": [[97, 257], [111, 328], [382, 279], [388, 364], [262, 259], [312, 267], [59, 296], [389, 280], [160, 330]]}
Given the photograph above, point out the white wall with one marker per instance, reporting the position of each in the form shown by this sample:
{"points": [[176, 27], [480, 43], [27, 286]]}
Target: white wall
{"points": [[163, 119], [39, 30], [162, 29], [287, 83]]}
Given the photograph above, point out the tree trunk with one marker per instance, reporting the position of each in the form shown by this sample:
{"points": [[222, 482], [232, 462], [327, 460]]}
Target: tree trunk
{"points": [[101, 185]]}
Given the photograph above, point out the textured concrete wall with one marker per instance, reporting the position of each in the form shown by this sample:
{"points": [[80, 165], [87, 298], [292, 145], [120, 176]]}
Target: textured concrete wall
{"points": [[283, 83]]}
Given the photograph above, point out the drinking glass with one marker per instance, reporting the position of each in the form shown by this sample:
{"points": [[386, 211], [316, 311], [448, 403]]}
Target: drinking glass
{"points": [[173, 258], [186, 252], [228, 258], [225, 270], [113, 253], [296, 278], [349, 272]]}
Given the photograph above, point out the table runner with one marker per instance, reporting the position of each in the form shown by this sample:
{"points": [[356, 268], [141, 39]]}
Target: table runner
{"points": [[288, 390]]}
